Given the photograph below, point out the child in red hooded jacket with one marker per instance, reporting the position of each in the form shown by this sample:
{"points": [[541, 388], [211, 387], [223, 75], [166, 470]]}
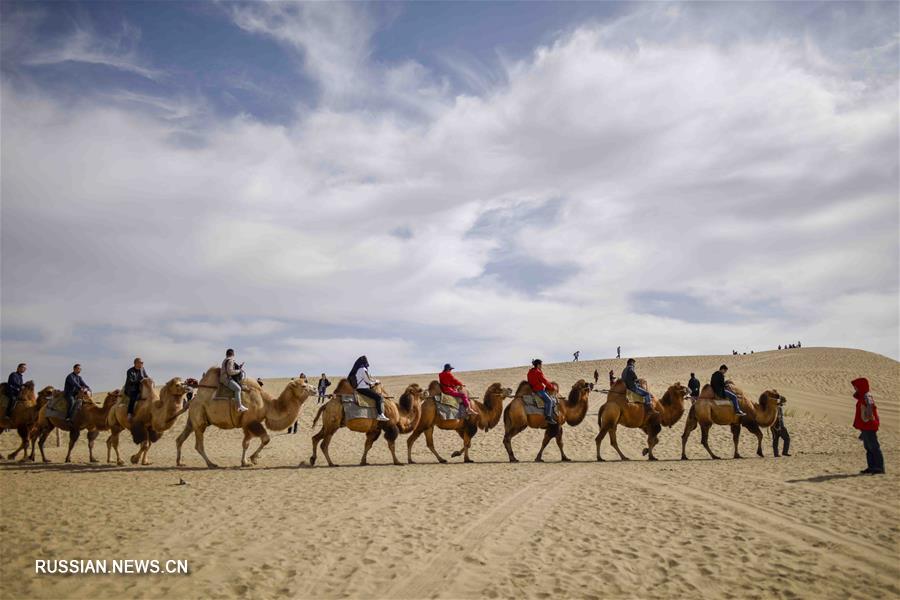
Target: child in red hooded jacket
{"points": [[866, 420]]}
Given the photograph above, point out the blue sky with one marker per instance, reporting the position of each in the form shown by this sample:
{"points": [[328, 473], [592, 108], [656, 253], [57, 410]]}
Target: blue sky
{"points": [[478, 183]]}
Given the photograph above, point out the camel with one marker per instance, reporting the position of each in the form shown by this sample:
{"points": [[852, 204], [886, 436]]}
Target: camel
{"points": [[90, 416], [618, 411], [570, 411], [488, 416], [707, 412], [24, 414], [154, 413], [403, 417], [276, 413]]}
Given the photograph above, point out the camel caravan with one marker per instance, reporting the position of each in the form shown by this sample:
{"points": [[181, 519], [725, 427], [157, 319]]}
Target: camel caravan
{"points": [[224, 397]]}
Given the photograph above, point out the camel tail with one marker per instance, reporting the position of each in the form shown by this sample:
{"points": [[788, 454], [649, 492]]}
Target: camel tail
{"points": [[318, 414]]}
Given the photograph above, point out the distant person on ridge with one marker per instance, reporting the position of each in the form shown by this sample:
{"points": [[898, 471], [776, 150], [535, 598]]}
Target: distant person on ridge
{"points": [[230, 376], [540, 384], [717, 381], [362, 382], [866, 420], [694, 386], [618, 351], [14, 385], [133, 378], [779, 431], [631, 382], [576, 354], [452, 386]]}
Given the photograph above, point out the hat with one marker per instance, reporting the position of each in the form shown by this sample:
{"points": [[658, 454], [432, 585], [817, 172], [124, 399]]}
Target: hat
{"points": [[448, 367]]}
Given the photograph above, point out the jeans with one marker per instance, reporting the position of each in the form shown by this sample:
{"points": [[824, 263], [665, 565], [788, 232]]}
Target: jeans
{"points": [[874, 457], [781, 433], [646, 395], [235, 387], [321, 396], [549, 405], [132, 400], [70, 405], [379, 401], [11, 405], [734, 400]]}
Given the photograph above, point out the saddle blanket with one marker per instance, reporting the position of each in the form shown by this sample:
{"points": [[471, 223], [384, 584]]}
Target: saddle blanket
{"points": [[449, 408], [358, 407], [722, 401], [225, 393], [56, 407], [633, 397], [534, 404]]}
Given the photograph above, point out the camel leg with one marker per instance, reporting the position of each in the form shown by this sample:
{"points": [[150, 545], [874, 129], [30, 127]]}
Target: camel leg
{"points": [[145, 448], [316, 438], [409, 444], [326, 442], [260, 431], [198, 444], [755, 430], [371, 436], [704, 439], [245, 444], [508, 435], [604, 429], [390, 435], [467, 443], [91, 436], [615, 443], [73, 437], [41, 441], [429, 439], [143, 435], [559, 442], [689, 425], [652, 440], [736, 436], [23, 446], [462, 434], [544, 442], [184, 435]]}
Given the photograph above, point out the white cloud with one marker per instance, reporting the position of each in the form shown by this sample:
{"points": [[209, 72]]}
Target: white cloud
{"points": [[741, 175]]}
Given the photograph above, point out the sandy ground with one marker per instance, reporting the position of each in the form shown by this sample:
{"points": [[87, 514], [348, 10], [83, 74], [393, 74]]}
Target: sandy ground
{"points": [[804, 526]]}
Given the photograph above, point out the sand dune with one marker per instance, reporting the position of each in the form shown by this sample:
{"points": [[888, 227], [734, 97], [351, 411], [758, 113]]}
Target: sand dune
{"points": [[804, 526]]}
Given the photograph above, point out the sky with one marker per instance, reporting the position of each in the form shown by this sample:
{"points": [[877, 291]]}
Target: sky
{"points": [[475, 183]]}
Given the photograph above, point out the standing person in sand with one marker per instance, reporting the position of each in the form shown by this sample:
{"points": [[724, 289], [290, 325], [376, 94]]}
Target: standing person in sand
{"points": [[612, 377], [618, 351], [362, 382], [779, 431], [866, 420], [323, 388], [230, 376], [576, 354], [596, 376]]}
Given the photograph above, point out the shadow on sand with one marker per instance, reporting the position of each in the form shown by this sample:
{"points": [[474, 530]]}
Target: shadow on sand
{"points": [[824, 478]]}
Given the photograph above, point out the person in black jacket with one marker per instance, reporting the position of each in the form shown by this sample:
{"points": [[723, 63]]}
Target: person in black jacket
{"points": [[717, 381], [779, 431], [14, 386], [631, 382], [73, 386], [133, 378], [323, 387], [694, 386]]}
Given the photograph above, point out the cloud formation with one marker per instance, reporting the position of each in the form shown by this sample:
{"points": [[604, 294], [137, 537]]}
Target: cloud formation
{"points": [[647, 180]]}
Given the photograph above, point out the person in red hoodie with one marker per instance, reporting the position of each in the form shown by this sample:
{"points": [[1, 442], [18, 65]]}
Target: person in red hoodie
{"points": [[866, 420], [540, 385], [452, 386]]}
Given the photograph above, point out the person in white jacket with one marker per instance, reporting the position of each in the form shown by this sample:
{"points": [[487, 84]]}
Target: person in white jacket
{"points": [[362, 382], [229, 376]]}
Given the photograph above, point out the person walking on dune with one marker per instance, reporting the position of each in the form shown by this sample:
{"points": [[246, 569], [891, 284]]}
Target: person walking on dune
{"points": [[866, 421], [596, 376], [618, 351], [779, 431], [576, 354], [540, 385], [612, 378]]}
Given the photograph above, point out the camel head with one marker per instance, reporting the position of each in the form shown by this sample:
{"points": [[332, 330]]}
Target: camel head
{"points": [[179, 390], [770, 398], [580, 391], [412, 393], [677, 390], [45, 394], [300, 387]]}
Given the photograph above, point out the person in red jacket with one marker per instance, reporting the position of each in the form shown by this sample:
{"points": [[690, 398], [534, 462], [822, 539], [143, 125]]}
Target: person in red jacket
{"points": [[452, 386], [866, 420], [540, 385]]}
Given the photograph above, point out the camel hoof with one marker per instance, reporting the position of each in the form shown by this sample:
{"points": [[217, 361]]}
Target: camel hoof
{"points": [[442, 460], [760, 454], [513, 460], [134, 459], [46, 460], [10, 456], [246, 464], [147, 463], [212, 466], [94, 460], [538, 459], [566, 459], [625, 458], [651, 457], [312, 461], [255, 461], [121, 463], [410, 461], [738, 456], [398, 463], [468, 460], [455, 454], [714, 457], [600, 459]]}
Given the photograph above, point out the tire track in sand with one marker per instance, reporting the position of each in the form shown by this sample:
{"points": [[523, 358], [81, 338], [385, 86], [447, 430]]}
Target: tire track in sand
{"points": [[431, 577], [862, 554]]}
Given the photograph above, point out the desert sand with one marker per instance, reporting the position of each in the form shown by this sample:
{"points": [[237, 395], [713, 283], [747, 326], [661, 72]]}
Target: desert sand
{"points": [[805, 526]]}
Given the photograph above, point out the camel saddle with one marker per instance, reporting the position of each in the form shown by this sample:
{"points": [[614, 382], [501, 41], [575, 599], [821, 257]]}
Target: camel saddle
{"points": [[534, 404], [56, 407], [633, 397], [357, 406], [225, 393], [448, 407]]}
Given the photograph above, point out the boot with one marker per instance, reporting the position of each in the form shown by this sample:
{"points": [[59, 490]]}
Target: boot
{"points": [[381, 417], [241, 408]]}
